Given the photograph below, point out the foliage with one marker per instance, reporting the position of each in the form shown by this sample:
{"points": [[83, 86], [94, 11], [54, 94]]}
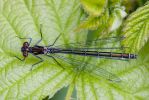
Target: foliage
{"points": [[107, 21], [91, 78]]}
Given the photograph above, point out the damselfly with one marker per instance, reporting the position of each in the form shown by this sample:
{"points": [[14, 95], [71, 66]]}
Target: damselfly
{"points": [[37, 50]]}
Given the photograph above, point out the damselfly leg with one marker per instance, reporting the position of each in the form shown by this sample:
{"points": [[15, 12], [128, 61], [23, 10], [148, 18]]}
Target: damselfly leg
{"points": [[36, 44], [41, 37], [55, 61], [47, 46], [30, 39], [21, 59], [55, 40], [41, 60]]}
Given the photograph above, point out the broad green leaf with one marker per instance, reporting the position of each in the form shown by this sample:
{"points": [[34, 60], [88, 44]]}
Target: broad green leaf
{"points": [[94, 7], [24, 19], [136, 29], [93, 78]]}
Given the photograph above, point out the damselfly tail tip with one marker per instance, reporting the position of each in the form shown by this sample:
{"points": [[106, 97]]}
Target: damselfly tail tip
{"points": [[133, 56]]}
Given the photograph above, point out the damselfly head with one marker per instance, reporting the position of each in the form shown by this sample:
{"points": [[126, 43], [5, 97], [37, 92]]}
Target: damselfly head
{"points": [[25, 49]]}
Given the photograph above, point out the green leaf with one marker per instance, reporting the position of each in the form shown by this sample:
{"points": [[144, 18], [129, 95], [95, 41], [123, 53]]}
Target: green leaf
{"points": [[93, 78], [136, 29], [94, 7], [24, 19], [108, 22]]}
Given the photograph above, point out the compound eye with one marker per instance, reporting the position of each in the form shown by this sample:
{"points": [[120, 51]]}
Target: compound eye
{"points": [[25, 54], [22, 49], [25, 44]]}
